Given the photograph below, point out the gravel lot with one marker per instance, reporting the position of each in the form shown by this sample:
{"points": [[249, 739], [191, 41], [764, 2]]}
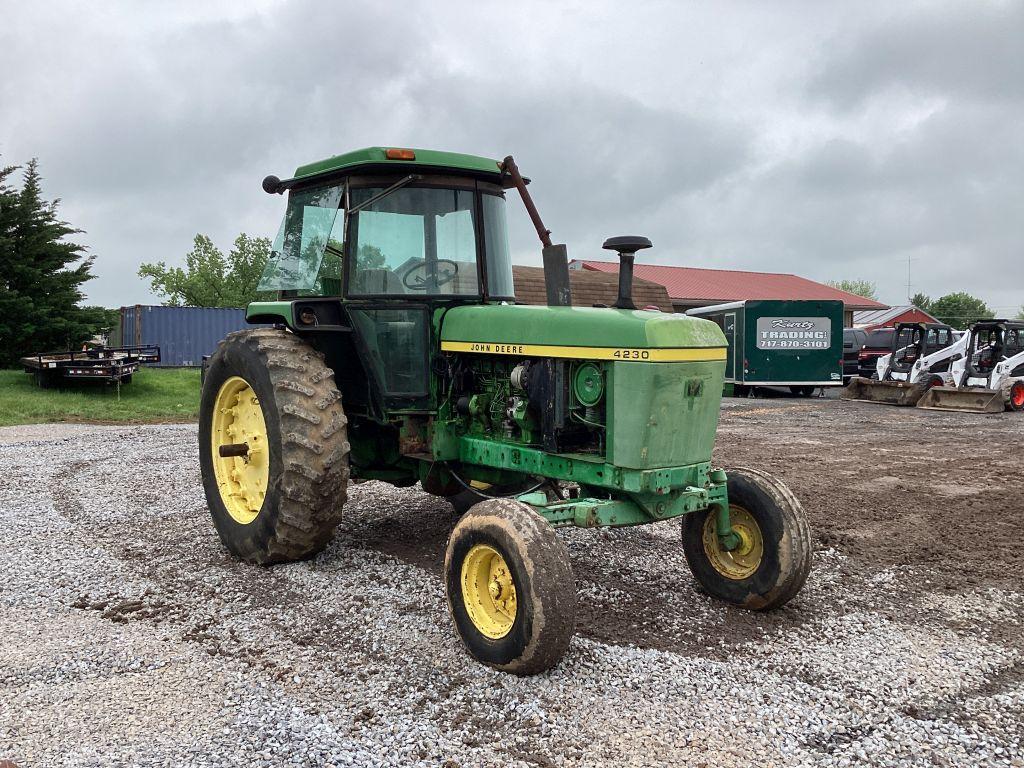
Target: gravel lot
{"points": [[130, 637]]}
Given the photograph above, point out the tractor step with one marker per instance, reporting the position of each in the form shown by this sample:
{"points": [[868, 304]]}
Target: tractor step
{"points": [[885, 392], [964, 400]]}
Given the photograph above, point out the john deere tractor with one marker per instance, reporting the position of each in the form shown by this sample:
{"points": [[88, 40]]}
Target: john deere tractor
{"points": [[395, 351]]}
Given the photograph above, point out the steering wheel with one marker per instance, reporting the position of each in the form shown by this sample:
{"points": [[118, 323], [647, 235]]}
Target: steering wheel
{"points": [[417, 279]]}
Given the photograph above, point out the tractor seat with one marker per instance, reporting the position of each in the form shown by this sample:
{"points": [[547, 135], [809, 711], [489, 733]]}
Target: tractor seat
{"points": [[379, 280]]}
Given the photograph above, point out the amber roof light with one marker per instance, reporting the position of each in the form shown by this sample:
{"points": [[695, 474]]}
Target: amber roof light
{"points": [[399, 154]]}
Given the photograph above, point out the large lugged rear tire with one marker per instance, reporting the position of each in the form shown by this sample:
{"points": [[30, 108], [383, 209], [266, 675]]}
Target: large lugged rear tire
{"points": [[269, 393], [510, 587], [774, 559]]}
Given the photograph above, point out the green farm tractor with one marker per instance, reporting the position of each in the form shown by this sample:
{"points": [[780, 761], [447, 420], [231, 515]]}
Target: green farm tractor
{"points": [[395, 351]]}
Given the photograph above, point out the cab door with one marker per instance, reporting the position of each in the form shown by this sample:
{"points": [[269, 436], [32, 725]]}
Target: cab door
{"points": [[394, 342]]}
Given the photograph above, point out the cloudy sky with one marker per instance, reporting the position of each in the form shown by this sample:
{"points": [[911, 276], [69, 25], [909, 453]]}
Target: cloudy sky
{"points": [[832, 140]]}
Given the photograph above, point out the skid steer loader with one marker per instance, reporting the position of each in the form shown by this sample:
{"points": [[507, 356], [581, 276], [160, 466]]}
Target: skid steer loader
{"points": [[397, 353], [990, 376], [921, 358]]}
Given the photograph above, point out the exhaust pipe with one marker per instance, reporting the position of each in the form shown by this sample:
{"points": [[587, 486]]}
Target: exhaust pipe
{"points": [[626, 246], [556, 257], [556, 276]]}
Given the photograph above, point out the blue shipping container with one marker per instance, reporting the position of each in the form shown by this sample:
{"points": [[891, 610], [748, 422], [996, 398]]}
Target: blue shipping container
{"points": [[184, 334]]}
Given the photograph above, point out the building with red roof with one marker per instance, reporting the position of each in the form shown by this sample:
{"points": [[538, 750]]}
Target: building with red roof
{"points": [[690, 287], [869, 320]]}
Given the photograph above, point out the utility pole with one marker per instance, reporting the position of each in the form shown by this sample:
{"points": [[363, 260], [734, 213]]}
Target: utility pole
{"points": [[910, 258]]}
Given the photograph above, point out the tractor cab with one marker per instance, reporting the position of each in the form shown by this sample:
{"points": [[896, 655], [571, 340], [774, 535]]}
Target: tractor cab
{"points": [[372, 245], [408, 225]]}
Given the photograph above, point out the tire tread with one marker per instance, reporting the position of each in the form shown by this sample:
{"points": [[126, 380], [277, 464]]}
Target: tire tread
{"points": [[314, 444]]}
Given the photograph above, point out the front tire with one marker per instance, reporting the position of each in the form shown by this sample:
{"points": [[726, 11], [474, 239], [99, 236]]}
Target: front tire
{"points": [[510, 587], [270, 392], [771, 564]]}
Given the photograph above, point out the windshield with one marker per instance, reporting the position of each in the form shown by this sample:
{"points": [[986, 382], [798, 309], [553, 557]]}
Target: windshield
{"points": [[417, 241], [411, 241], [311, 227], [986, 346]]}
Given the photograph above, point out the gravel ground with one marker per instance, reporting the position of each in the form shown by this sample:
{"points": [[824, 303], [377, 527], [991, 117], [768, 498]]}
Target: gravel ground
{"points": [[132, 638]]}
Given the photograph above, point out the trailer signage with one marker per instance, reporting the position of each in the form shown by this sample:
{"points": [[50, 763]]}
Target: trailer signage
{"points": [[794, 333]]}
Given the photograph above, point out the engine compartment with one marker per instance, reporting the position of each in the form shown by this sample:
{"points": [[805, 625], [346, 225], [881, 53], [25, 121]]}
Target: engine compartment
{"points": [[557, 405]]}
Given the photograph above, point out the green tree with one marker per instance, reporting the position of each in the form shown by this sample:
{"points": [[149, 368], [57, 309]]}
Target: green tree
{"points": [[41, 273], [370, 257], [921, 301], [103, 319], [211, 279], [863, 288], [960, 310]]}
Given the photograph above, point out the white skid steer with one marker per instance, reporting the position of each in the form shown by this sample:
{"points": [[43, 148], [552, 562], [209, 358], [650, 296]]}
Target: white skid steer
{"points": [[990, 376], [922, 357]]}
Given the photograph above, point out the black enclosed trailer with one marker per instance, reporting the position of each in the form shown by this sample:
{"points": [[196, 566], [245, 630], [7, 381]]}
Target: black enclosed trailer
{"points": [[110, 364]]}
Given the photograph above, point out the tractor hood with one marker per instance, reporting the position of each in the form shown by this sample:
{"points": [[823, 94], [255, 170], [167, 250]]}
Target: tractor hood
{"points": [[593, 333]]}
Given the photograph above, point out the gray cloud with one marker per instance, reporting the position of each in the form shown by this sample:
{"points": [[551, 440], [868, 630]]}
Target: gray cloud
{"points": [[827, 140], [970, 51]]}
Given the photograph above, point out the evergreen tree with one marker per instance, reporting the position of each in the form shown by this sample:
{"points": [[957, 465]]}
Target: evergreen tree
{"points": [[41, 274]]}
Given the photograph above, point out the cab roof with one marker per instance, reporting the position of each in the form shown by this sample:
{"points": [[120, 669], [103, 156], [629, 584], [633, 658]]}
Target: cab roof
{"points": [[422, 159]]}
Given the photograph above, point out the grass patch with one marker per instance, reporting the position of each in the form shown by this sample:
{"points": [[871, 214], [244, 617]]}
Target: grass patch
{"points": [[154, 395]]}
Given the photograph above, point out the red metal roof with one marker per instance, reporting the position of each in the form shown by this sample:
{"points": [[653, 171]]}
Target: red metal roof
{"points": [[721, 285]]}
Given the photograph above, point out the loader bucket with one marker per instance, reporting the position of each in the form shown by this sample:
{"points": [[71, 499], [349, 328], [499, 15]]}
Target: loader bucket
{"points": [[887, 392], [970, 400]]}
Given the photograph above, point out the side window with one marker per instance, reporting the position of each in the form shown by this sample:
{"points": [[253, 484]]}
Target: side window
{"points": [[310, 226], [329, 279], [1014, 343]]}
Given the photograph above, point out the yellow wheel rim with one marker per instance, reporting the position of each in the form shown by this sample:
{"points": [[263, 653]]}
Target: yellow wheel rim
{"points": [[739, 563], [241, 480], [488, 591]]}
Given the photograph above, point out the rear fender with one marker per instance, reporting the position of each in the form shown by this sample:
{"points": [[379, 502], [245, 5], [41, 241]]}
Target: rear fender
{"points": [[305, 315]]}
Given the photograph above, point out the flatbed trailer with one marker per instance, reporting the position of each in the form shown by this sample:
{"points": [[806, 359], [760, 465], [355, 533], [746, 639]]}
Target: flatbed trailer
{"points": [[110, 364]]}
